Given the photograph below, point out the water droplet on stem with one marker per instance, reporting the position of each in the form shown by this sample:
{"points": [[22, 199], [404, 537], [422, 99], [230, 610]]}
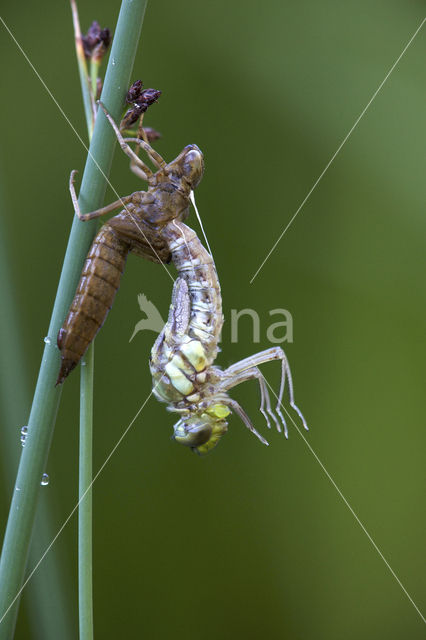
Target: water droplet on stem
{"points": [[44, 480], [24, 433]]}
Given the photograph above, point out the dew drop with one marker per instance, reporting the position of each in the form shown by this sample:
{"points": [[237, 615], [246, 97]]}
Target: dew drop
{"points": [[47, 340], [113, 62], [24, 433], [44, 480]]}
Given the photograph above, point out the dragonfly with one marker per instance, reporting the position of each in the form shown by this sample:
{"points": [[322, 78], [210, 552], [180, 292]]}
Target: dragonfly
{"points": [[152, 225]]}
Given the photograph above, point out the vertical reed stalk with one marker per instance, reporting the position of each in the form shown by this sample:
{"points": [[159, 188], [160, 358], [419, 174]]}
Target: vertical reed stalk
{"points": [[46, 398]]}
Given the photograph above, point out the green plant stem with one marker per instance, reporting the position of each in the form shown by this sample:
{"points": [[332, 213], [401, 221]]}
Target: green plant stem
{"points": [[85, 563], [94, 71], [88, 101], [47, 605], [47, 396], [85, 504]]}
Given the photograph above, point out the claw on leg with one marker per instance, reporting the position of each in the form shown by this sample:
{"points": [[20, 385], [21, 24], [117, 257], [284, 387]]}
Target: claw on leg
{"points": [[73, 193], [266, 400], [84, 217], [286, 371]]}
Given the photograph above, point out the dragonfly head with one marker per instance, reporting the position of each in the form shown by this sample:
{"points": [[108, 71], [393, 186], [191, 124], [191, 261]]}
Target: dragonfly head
{"points": [[200, 432], [188, 166], [192, 165]]}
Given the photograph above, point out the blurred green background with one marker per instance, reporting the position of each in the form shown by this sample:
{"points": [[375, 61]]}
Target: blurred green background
{"points": [[250, 541]]}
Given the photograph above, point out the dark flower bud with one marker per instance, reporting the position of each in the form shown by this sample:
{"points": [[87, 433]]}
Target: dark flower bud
{"points": [[134, 92], [131, 116], [105, 37], [101, 48], [148, 97], [140, 101], [151, 134], [96, 41]]}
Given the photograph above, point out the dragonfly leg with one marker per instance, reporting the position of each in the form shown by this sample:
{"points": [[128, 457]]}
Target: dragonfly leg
{"points": [[234, 406], [285, 369], [265, 401], [275, 353], [152, 154], [141, 134], [136, 161], [99, 212], [138, 171]]}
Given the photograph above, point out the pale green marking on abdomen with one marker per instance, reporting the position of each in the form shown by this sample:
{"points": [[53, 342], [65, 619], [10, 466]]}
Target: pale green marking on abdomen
{"points": [[179, 379], [195, 354]]}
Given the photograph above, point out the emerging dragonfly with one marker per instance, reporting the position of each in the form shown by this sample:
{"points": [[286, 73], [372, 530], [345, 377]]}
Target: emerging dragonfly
{"points": [[181, 363]]}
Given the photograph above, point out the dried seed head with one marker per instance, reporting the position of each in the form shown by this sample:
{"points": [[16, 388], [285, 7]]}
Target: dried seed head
{"points": [[90, 40], [100, 50], [96, 41], [130, 117], [105, 36], [151, 134], [134, 92], [140, 101], [142, 98], [148, 97]]}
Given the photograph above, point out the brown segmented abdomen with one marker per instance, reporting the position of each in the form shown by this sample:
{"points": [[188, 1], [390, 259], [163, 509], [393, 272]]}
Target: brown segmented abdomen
{"points": [[93, 299]]}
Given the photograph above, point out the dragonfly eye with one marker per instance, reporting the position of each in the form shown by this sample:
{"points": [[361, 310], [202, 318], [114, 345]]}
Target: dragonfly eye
{"points": [[192, 433], [201, 432], [193, 166]]}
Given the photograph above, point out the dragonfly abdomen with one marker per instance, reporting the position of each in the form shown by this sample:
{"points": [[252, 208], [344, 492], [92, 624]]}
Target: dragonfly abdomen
{"points": [[195, 264]]}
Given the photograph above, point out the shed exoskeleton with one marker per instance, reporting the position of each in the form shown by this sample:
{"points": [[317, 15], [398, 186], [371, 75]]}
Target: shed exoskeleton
{"points": [[136, 229]]}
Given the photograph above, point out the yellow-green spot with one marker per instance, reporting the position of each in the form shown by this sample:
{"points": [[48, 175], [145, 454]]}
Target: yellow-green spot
{"points": [[217, 432], [218, 411], [178, 379], [180, 364], [194, 352]]}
